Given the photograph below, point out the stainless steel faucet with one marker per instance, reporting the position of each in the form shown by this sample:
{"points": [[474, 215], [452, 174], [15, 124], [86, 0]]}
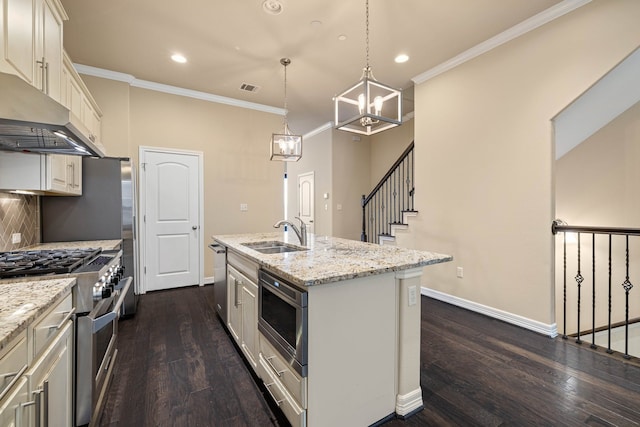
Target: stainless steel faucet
{"points": [[301, 233]]}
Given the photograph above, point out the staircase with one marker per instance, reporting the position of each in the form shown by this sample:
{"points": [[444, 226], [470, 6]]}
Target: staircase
{"points": [[387, 208]]}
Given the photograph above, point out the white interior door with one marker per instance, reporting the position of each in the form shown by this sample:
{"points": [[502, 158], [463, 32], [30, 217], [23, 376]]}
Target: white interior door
{"points": [[306, 207], [171, 190]]}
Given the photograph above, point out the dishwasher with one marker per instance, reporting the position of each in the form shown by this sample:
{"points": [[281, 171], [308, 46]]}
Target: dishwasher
{"points": [[220, 279]]}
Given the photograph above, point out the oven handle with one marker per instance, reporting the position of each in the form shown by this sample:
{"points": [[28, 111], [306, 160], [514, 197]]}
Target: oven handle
{"points": [[107, 318]]}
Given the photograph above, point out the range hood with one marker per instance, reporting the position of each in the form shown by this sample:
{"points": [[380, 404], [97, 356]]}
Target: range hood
{"points": [[30, 121]]}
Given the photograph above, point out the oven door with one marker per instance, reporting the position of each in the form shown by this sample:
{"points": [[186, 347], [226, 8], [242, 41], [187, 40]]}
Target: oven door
{"points": [[283, 319], [96, 353]]}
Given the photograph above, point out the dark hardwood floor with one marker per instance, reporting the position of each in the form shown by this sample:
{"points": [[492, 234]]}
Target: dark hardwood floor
{"points": [[178, 367]]}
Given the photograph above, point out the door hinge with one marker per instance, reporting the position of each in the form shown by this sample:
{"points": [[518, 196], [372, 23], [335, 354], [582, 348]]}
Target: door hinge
{"points": [[144, 218], [144, 166], [145, 269]]}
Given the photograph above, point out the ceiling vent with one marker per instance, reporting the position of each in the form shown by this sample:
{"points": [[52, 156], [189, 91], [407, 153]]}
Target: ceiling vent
{"points": [[249, 88]]}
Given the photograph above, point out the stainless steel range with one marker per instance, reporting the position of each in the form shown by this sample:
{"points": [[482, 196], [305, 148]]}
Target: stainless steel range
{"points": [[98, 297]]}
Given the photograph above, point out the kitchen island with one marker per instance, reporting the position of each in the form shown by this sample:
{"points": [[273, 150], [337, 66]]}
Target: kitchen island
{"points": [[363, 326]]}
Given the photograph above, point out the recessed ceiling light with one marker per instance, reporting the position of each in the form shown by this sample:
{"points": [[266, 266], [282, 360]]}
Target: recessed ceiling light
{"points": [[316, 24], [178, 58], [401, 58], [342, 37], [272, 7]]}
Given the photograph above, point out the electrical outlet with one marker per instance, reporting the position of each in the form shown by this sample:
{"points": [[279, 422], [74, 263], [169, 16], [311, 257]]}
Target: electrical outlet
{"points": [[16, 238], [244, 207], [460, 272], [413, 295]]}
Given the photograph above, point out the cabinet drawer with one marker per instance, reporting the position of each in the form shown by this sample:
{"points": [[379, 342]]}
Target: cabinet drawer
{"points": [[47, 328], [13, 362], [277, 367], [243, 265], [296, 415]]}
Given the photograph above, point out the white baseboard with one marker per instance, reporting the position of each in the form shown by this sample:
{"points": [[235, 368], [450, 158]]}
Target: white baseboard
{"points": [[208, 281], [550, 330]]}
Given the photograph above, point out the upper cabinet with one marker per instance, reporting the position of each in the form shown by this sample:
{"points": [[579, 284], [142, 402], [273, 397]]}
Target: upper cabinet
{"points": [[77, 98], [32, 42], [31, 47], [45, 174], [48, 46]]}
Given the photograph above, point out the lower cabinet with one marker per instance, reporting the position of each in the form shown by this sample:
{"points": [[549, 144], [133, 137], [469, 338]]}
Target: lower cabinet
{"points": [[243, 313], [50, 381], [15, 407], [36, 372], [286, 388]]}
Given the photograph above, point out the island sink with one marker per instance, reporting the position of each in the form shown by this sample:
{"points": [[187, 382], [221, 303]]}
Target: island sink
{"points": [[273, 247]]}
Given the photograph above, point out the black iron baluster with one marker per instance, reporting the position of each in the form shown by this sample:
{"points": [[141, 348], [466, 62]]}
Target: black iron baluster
{"points": [[593, 291], [363, 232], [627, 287], [610, 304], [579, 280]]}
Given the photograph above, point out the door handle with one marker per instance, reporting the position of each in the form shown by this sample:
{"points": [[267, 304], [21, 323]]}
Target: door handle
{"points": [[194, 227]]}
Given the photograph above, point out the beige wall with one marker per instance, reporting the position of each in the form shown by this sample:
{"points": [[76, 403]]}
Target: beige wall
{"points": [[234, 143], [485, 156], [351, 179], [597, 185], [386, 148], [316, 158]]}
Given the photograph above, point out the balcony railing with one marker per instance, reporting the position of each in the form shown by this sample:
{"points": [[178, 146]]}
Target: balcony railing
{"points": [[608, 282]]}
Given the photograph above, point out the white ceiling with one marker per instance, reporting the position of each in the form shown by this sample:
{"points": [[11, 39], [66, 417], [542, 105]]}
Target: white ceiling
{"points": [[228, 43]]}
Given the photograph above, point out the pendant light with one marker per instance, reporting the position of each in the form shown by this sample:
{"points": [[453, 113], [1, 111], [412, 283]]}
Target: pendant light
{"points": [[285, 146], [368, 107]]}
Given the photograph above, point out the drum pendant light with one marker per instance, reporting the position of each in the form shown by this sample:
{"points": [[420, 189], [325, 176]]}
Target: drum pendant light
{"points": [[368, 107], [285, 146]]}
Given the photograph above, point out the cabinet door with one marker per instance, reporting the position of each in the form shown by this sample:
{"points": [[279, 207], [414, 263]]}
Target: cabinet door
{"points": [[18, 38], [74, 178], [48, 49], [234, 303], [57, 172], [250, 321], [51, 381], [15, 408]]}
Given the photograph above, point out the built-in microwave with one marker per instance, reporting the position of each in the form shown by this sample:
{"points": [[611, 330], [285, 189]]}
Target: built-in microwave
{"points": [[282, 319]]}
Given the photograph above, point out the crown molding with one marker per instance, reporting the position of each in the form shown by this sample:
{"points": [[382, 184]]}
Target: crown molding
{"points": [[512, 33], [318, 130], [174, 90]]}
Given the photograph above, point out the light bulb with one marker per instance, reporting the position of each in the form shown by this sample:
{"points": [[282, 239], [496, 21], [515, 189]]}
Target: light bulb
{"points": [[361, 102], [377, 104]]}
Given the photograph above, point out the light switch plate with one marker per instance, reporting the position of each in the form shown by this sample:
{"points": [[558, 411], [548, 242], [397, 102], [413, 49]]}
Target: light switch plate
{"points": [[16, 238]]}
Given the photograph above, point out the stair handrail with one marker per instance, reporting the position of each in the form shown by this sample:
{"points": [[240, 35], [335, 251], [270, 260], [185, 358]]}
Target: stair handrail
{"points": [[397, 163], [390, 173]]}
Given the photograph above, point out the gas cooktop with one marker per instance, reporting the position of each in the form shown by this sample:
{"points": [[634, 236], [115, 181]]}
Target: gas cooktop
{"points": [[41, 262]]}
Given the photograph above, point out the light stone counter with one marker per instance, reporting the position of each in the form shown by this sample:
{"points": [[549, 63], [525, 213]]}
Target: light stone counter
{"points": [[329, 259], [106, 245], [22, 302]]}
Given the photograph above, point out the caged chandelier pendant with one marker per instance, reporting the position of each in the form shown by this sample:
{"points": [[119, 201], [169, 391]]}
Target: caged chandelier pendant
{"points": [[368, 107], [285, 146]]}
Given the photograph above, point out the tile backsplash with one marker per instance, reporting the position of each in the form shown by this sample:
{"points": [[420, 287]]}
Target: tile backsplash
{"points": [[19, 213]]}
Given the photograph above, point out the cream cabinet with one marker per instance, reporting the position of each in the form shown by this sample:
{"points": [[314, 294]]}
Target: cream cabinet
{"points": [[49, 20], [77, 98], [36, 371], [51, 380], [48, 174], [64, 174], [32, 42], [243, 313], [15, 406], [242, 304]]}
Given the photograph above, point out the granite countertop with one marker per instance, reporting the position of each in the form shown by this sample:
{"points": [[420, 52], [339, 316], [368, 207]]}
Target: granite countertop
{"points": [[22, 302], [106, 245], [329, 259]]}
